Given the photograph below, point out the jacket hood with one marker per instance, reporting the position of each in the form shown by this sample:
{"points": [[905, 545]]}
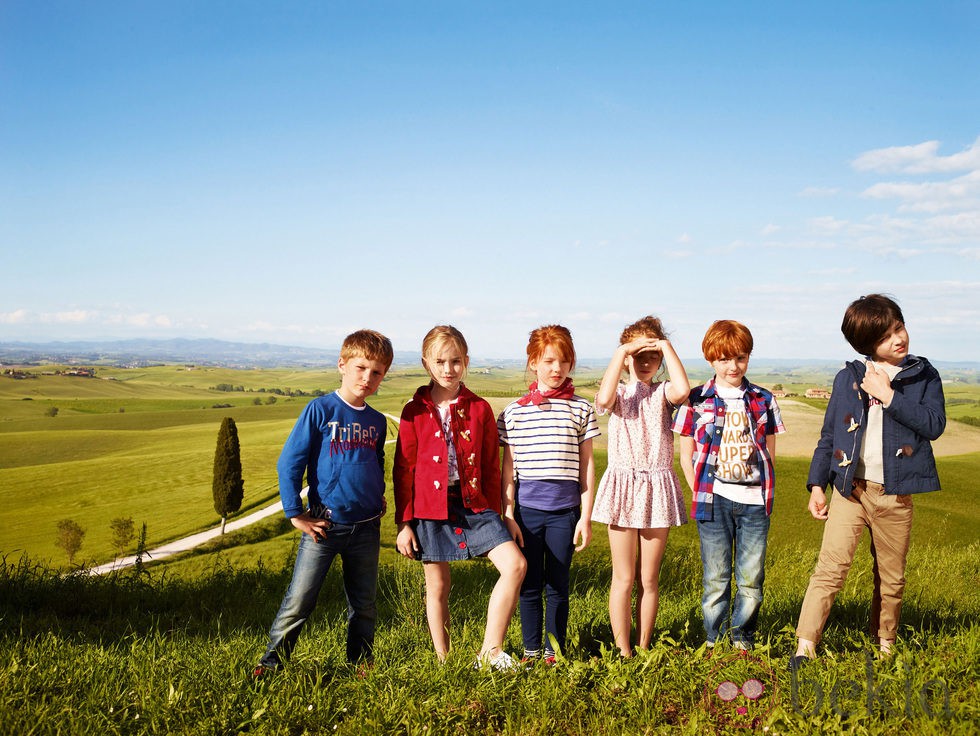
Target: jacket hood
{"points": [[912, 366]]}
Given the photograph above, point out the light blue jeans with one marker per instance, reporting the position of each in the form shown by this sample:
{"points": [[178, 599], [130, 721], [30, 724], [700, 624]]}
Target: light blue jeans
{"points": [[358, 546], [735, 538]]}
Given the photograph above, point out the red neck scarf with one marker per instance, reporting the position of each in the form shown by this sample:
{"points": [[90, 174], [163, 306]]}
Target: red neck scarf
{"points": [[533, 396]]}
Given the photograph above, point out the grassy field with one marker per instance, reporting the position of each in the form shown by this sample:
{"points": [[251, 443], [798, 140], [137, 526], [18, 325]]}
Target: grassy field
{"points": [[170, 653], [139, 443], [168, 650]]}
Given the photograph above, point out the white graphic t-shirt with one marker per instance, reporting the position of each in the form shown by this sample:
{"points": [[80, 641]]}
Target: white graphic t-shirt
{"points": [[737, 475]]}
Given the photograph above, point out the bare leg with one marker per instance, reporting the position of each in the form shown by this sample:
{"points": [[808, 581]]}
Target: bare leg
{"points": [[653, 543], [437, 605], [511, 565], [622, 549]]}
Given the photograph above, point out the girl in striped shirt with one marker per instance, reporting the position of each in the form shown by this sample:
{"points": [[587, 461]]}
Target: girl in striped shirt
{"points": [[548, 484]]}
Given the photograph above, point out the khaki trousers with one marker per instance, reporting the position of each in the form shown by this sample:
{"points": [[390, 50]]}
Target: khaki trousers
{"points": [[889, 519]]}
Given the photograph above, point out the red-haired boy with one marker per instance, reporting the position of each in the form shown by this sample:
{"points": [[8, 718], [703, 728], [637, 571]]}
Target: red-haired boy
{"points": [[727, 444]]}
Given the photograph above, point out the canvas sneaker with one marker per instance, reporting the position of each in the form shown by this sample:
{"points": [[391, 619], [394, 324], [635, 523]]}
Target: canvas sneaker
{"points": [[502, 662], [262, 670]]}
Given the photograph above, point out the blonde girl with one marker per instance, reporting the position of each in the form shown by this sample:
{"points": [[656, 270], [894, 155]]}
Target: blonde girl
{"points": [[639, 497], [447, 493], [548, 484]]}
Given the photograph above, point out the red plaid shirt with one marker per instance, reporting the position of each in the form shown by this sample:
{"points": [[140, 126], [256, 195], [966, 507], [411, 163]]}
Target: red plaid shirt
{"points": [[703, 418]]}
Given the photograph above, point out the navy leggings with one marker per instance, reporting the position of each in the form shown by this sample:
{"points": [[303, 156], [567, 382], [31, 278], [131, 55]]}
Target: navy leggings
{"points": [[548, 548]]}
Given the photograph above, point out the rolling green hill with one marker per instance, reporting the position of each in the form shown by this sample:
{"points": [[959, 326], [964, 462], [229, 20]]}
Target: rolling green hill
{"points": [[139, 443], [169, 649]]}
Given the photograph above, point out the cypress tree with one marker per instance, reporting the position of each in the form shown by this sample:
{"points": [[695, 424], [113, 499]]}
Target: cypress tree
{"points": [[227, 487]]}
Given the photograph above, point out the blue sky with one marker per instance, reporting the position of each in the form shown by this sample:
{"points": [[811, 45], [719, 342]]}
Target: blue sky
{"points": [[288, 172]]}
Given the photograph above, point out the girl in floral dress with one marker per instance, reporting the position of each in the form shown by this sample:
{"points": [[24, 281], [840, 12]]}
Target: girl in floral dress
{"points": [[639, 496]]}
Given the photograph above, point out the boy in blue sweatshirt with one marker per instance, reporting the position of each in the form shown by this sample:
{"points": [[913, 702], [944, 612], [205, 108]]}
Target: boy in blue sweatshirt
{"points": [[338, 444]]}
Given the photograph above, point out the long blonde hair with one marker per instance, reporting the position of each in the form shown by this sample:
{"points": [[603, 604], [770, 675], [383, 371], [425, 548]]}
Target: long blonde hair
{"points": [[439, 336]]}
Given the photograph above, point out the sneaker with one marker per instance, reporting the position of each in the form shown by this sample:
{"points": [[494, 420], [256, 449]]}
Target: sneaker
{"points": [[263, 670], [500, 663], [550, 660], [364, 670]]}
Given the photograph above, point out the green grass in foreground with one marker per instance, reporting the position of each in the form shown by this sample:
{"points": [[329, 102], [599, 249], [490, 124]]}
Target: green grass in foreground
{"points": [[171, 651], [134, 653]]}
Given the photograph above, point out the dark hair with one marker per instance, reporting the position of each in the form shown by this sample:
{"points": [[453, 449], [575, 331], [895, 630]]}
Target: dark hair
{"points": [[869, 320], [726, 338]]}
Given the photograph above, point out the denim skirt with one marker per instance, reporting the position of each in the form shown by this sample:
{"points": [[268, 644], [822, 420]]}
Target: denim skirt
{"points": [[463, 535]]}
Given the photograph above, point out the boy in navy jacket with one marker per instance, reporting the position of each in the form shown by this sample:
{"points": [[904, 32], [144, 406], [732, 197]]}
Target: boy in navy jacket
{"points": [[875, 451]]}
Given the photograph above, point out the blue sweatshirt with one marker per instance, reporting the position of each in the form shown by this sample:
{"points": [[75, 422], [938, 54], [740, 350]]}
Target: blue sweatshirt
{"points": [[340, 449]]}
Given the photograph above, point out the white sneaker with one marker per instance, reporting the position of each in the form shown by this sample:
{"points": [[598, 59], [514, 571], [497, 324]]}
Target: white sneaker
{"points": [[500, 663]]}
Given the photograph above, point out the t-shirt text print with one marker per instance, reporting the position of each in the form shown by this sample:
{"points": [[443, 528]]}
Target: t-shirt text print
{"points": [[351, 436], [736, 455]]}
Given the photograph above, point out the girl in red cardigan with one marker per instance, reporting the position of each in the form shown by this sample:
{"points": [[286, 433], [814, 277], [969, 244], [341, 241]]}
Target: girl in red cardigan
{"points": [[447, 493]]}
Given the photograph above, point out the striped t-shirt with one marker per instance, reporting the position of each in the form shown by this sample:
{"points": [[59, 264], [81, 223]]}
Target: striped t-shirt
{"points": [[545, 441]]}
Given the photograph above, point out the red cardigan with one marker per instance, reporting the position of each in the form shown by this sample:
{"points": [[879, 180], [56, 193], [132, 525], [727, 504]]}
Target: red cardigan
{"points": [[421, 470]]}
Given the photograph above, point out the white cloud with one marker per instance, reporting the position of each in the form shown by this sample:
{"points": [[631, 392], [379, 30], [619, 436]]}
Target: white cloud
{"points": [[462, 312], [921, 158], [932, 196], [828, 224], [770, 229], [685, 239], [18, 316], [74, 316]]}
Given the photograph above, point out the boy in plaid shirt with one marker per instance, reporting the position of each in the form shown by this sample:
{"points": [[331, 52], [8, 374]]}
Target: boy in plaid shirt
{"points": [[727, 434]]}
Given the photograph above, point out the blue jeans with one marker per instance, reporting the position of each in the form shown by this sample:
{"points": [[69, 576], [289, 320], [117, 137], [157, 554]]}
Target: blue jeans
{"points": [[737, 532], [548, 549], [358, 546]]}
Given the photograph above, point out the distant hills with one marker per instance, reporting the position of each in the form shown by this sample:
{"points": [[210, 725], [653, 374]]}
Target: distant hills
{"points": [[145, 351], [139, 352]]}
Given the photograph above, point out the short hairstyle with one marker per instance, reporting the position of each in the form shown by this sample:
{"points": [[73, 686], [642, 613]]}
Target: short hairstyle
{"points": [[869, 320], [368, 344], [558, 337], [726, 338], [648, 326], [440, 336]]}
